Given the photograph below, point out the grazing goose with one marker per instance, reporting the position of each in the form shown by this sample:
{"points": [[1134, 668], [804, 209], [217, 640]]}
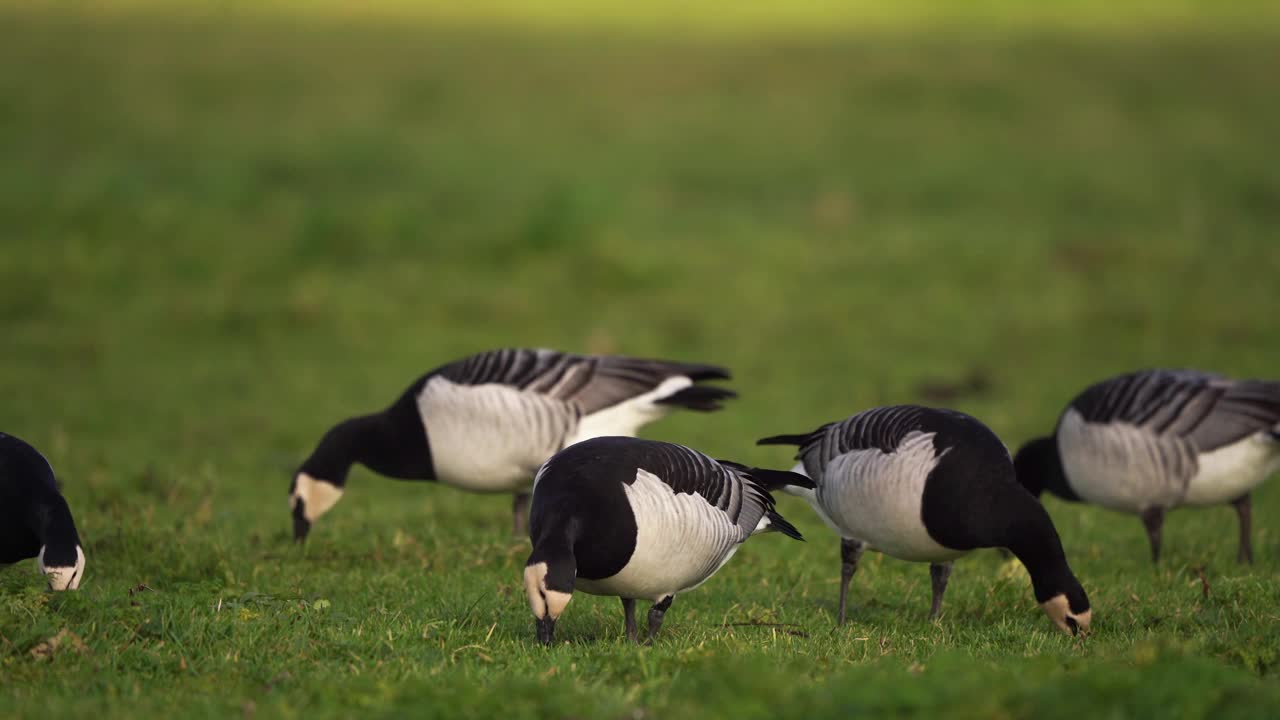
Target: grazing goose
{"points": [[487, 422], [640, 520], [34, 518], [1153, 440], [929, 485]]}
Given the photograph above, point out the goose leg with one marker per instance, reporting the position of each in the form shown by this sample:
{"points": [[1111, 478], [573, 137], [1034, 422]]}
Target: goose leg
{"points": [[655, 617], [850, 552], [520, 515], [1153, 520], [1244, 510], [939, 573], [629, 610]]}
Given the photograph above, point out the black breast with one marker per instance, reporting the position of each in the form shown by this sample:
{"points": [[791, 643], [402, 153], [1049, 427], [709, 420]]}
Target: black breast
{"points": [[24, 476], [971, 498], [582, 493], [17, 541]]}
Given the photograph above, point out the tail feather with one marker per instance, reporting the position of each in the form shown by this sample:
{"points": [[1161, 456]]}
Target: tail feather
{"points": [[697, 373], [705, 398], [785, 439], [780, 524], [778, 479], [771, 480], [670, 368]]}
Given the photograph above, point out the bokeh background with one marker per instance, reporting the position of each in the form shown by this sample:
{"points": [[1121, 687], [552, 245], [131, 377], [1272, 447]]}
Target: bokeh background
{"points": [[224, 226]]}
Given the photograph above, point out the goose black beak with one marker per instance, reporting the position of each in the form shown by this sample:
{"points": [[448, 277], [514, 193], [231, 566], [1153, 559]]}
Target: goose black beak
{"points": [[546, 630], [301, 525]]}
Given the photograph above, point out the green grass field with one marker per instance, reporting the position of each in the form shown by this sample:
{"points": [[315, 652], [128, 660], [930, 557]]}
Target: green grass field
{"points": [[224, 230]]}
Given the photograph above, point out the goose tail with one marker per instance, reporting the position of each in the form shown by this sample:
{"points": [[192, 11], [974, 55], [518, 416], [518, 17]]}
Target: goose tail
{"points": [[703, 398], [777, 523], [784, 440]]}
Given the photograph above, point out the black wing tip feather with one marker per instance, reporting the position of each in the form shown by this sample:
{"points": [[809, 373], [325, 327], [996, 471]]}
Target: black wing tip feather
{"points": [[698, 373], [706, 398], [777, 479], [780, 524], [670, 368], [784, 439], [771, 480]]}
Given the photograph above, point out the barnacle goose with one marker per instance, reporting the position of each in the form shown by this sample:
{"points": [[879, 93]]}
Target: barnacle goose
{"points": [[485, 423], [929, 485], [640, 520], [34, 518], [1153, 440]]}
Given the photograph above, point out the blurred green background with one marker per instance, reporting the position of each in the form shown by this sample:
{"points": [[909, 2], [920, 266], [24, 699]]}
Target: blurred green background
{"points": [[225, 226]]}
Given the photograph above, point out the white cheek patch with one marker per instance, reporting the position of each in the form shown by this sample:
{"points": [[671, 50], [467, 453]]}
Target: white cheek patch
{"points": [[63, 578], [556, 602], [1083, 620], [533, 577], [317, 496], [1058, 609], [543, 602], [75, 580]]}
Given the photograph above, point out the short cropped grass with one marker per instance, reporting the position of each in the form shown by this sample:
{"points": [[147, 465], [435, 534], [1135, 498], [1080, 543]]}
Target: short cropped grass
{"points": [[224, 230]]}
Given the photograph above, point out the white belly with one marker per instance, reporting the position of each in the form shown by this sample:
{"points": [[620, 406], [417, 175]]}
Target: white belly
{"points": [[876, 497], [1123, 467], [681, 540], [1233, 470], [490, 438]]}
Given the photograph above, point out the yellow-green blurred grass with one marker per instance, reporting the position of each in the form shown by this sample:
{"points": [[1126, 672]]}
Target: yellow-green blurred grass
{"points": [[719, 18], [222, 232]]}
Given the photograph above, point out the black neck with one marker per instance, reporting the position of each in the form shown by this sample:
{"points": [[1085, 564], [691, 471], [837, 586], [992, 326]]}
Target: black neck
{"points": [[1038, 466], [56, 529], [1036, 543], [555, 548], [380, 442]]}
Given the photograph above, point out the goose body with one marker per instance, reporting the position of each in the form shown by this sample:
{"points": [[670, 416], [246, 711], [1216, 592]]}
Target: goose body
{"points": [[35, 521], [1150, 441], [930, 485], [487, 422], [640, 520], [878, 497]]}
